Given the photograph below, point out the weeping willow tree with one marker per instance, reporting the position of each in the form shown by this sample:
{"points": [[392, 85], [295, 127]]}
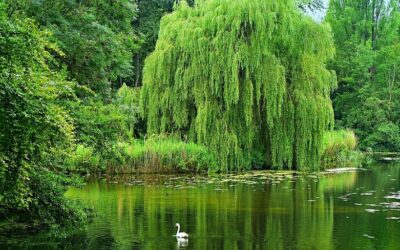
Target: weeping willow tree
{"points": [[246, 78]]}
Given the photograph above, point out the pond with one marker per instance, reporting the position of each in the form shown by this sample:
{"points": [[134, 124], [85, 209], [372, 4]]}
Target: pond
{"points": [[254, 210]]}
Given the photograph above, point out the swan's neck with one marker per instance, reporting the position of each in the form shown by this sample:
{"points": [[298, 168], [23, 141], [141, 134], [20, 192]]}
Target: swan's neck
{"points": [[179, 228]]}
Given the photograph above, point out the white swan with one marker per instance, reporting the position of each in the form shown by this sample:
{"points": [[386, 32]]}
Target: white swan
{"points": [[181, 235]]}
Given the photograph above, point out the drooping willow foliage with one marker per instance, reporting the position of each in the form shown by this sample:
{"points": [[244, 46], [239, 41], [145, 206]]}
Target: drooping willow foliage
{"points": [[246, 78]]}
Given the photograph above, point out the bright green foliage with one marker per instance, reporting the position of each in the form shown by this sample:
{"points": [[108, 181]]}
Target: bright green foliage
{"points": [[165, 154], [100, 127], [340, 150], [98, 124], [242, 77], [367, 37], [127, 100], [36, 132], [96, 36], [147, 26], [84, 160]]}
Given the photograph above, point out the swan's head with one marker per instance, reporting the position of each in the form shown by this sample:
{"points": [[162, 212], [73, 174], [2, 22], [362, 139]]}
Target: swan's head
{"points": [[177, 224]]}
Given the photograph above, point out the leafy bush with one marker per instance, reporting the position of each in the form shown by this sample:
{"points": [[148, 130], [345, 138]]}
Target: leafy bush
{"points": [[98, 124], [49, 203], [36, 131], [103, 127], [84, 159], [386, 137], [340, 150]]}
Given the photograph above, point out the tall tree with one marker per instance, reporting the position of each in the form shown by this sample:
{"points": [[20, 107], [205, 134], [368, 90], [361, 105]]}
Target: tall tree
{"points": [[147, 25], [242, 77], [366, 35], [97, 37]]}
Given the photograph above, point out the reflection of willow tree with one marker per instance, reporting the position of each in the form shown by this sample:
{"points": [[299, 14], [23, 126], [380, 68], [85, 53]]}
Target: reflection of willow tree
{"points": [[338, 183], [119, 209], [300, 214], [304, 213], [248, 219]]}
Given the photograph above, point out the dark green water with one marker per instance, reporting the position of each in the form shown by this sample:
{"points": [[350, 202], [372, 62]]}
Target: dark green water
{"points": [[257, 210]]}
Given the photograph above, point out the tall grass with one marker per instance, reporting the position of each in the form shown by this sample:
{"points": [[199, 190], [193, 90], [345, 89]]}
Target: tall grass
{"points": [[340, 150], [84, 160], [163, 154]]}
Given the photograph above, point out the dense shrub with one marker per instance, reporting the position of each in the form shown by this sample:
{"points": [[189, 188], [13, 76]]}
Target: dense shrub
{"points": [[36, 132], [386, 137], [127, 100], [48, 203], [102, 128], [84, 159], [340, 150]]}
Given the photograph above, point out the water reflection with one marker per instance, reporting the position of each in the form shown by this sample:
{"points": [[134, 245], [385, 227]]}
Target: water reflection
{"points": [[256, 210], [181, 243]]}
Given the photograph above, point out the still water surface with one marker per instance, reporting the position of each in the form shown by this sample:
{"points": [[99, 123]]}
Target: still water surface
{"points": [[257, 210]]}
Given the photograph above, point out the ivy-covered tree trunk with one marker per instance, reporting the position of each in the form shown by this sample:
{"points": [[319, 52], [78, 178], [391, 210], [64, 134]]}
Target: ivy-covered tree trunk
{"points": [[245, 78]]}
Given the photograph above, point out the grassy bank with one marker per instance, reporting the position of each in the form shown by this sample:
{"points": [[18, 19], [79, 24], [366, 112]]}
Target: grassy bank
{"points": [[155, 154], [161, 153], [340, 150]]}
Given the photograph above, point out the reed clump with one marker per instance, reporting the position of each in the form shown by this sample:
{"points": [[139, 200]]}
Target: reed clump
{"points": [[340, 150], [161, 153]]}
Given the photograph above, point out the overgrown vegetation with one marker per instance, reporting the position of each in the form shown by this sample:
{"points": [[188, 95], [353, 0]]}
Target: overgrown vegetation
{"points": [[60, 64], [36, 133], [235, 85], [340, 150], [159, 153]]}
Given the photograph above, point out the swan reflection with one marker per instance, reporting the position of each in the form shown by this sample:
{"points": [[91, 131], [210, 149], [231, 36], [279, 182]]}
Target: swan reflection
{"points": [[182, 243]]}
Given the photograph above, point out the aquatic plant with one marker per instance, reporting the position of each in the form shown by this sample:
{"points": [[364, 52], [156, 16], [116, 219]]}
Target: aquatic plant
{"points": [[242, 76]]}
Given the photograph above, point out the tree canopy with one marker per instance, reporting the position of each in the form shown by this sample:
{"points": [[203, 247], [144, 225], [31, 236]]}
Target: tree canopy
{"points": [[96, 37], [366, 35], [245, 78]]}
